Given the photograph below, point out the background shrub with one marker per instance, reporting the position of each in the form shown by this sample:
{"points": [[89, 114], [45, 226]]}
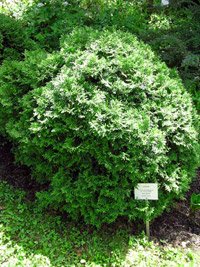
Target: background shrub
{"points": [[174, 34], [13, 39], [48, 20], [95, 119], [171, 49]]}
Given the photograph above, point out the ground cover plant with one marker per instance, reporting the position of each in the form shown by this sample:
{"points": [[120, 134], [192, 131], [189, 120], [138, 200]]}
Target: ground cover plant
{"points": [[31, 238]]}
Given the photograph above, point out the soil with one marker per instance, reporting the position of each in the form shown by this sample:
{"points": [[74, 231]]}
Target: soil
{"points": [[19, 176], [178, 227]]}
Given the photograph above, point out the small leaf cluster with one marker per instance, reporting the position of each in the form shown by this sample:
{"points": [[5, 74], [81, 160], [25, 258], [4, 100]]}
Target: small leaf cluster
{"points": [[195, 202], [95, 119]]}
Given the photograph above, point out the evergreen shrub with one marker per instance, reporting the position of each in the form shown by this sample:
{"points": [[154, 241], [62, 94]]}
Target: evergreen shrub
{"points": [[96, 119]]}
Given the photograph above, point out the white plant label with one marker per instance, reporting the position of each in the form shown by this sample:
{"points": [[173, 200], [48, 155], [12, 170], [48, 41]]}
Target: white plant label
{"points": [[146, 191], [165, 2]]}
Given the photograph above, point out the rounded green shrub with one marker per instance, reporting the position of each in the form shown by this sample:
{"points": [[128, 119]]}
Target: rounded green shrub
{"points": [[111, 116]]}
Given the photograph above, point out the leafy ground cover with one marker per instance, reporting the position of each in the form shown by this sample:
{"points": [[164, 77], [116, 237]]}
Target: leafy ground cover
{"points": [[31, 238]]}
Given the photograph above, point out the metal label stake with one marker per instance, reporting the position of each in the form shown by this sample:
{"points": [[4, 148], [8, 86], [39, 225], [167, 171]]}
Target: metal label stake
{"points": [[148, 229], [146, 191]]}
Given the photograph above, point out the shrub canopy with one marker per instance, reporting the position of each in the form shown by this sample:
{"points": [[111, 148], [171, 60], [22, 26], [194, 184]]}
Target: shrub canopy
{"points": [[96, 119]]}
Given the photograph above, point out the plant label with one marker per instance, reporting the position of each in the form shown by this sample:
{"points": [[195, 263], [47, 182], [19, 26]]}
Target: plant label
{"points": [[146, 191], [165, 2]]}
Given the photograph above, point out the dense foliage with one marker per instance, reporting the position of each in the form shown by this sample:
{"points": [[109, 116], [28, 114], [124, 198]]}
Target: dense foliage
{"points": [[95, 119], [13, 39], [175, 36], [92, 110], [173, 32], [48, 20]]}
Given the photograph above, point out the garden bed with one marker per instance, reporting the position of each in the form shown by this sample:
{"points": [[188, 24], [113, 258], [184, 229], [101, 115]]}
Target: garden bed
{"points": [[176, 227]]}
